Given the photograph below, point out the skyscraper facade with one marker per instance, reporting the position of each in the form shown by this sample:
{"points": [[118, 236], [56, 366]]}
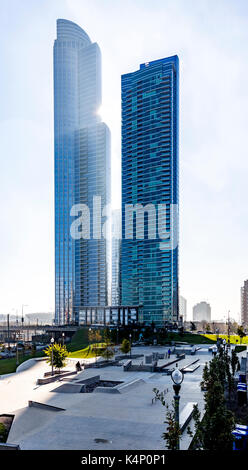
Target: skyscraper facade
{"points": [[116, 252], [244, 304], [150, 128], [82, 172]]}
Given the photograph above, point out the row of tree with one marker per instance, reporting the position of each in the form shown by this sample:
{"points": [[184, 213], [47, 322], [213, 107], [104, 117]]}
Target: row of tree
{"points": [[214, 430], [100, 344]]}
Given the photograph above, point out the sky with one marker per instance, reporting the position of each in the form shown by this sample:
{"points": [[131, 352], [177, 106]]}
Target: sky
{"points": [[210, 37]]}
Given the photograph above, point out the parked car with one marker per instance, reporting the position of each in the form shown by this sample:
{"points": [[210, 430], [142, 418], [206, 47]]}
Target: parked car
{"points": [[6, 355]]}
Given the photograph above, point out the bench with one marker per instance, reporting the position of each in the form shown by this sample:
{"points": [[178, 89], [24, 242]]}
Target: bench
{"points": [[127, 365], [5, 446], [186, 415], [187, 368], [160, 368]]}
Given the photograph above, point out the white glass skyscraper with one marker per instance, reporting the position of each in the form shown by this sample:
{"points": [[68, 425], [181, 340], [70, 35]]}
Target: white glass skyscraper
{"points": [[82, 171]]}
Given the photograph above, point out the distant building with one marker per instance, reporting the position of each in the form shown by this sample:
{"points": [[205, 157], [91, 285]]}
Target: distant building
{"points": [[183, 308], [244, 304], [202, 312], [40, 318]]}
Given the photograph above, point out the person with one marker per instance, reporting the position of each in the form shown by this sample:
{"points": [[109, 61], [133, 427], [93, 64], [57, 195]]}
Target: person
{"points": [[78, 367], [214, 350], [169, 353]]}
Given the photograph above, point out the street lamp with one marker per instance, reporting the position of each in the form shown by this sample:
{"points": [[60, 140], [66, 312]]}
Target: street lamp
{"points": [[17, 358], [177, 377], [90, 329], [214, 349], [22, 313], [52, 342], [63, 338], [154, 338], [130, 339], [117, 331]]}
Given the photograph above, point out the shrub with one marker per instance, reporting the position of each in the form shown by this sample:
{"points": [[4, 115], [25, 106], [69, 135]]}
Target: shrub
{"points": [[3, 433], [125, 346]]}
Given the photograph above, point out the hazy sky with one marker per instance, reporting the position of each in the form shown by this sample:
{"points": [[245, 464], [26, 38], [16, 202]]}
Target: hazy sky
{"points": [[211, 40]]}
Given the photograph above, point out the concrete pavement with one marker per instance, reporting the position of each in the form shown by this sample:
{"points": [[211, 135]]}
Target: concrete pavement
{"points": [[127, 420]]}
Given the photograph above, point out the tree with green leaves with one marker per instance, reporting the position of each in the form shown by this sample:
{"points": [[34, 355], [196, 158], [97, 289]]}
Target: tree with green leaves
{"points": [[241, 333], [107, 335], [57, 355], [94, 337], [207, 327], [173, 432], [108, 352], [205, 377], [3, 433], [192, 326], [234, 362], [125, 346], [33, 350], [214, 431]]}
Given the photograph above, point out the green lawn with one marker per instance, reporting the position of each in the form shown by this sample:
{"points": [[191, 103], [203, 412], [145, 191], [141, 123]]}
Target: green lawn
{"points": [[8, 366], [88, 352], [233, 338], [190, 338], [77, 348], [79, 341]]}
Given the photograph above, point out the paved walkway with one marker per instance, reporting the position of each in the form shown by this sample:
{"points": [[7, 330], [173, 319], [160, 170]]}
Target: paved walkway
{"points": [[127, 421]]}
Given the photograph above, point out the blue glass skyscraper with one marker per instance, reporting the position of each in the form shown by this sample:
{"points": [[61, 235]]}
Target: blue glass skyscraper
{"points": [[82, 171], [116, 251], [150, 130]]}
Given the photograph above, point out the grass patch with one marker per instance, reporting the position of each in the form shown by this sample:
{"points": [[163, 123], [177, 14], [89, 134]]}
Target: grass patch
{"points": [[89, 352], [8, 366], [233, 338], [79, 341], [190, 338], [239, 349]]}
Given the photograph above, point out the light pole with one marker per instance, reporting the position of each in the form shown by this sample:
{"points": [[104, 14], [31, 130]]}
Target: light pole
{"points": [[130, 340], [214, 349], [228, 328], [17, 357], [90, 329], [23, 320], [177, 377], [154, 337], [52, 342], [63, 338], [117, 331]]}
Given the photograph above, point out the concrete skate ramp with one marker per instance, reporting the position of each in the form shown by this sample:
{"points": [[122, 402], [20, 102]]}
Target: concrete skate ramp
{"points": [[27, 420], [70, 387], [44, 406], [106, 390], [130, 385]]}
